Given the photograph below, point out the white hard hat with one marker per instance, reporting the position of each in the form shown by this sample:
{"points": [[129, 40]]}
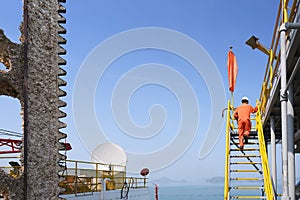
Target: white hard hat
{"points": [[245, 98]]}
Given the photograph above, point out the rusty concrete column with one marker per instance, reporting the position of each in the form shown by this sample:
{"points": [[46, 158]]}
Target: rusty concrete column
{"points": [[34, 77], [42, 92]]}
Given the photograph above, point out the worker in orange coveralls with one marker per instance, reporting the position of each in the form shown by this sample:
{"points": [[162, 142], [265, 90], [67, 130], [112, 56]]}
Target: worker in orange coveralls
{"points": [[242, 115]]}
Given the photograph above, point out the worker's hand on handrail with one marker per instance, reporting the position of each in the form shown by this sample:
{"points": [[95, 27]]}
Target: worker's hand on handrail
{"points": [[257, 103]]}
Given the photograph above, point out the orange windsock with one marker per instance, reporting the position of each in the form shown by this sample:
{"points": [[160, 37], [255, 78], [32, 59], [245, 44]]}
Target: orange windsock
{"points": [[232, 70]]}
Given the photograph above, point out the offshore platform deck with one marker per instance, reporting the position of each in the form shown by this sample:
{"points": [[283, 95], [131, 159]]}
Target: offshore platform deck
{"points": [[277, 122]]}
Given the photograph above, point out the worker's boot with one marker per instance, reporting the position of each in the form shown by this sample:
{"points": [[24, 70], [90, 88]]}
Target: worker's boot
{"points": [[246, 139]]}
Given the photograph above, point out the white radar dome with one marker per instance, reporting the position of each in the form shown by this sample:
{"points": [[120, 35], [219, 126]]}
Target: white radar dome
{"points": [[112, 156]]}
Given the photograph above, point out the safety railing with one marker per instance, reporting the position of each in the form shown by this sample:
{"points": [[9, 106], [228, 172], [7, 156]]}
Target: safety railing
{"points": [[264, 159], [84, 178], [286, 13], [227, 152]]}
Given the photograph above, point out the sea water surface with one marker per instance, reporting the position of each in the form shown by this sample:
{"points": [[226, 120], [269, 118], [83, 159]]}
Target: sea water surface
{"points": [[203, 192]]}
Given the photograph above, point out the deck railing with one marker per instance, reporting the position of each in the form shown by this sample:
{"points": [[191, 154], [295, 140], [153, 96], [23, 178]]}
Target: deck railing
{"points": [[286, 13], [88, 177], [84, 178]]}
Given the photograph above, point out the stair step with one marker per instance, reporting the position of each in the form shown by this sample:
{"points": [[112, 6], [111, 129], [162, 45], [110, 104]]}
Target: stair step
{"points": [[253, 137], [247, 197], [247, 187], [246, 179], [250, 143], [252, 132], [245, 149], [245, 156], [245, 163], [245, 170]]}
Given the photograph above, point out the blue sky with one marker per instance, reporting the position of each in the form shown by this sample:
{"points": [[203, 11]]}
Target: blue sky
{"points": [[215, 25]]}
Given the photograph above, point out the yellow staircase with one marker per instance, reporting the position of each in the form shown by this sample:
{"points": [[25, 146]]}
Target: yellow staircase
{"points": [[247, 174]]}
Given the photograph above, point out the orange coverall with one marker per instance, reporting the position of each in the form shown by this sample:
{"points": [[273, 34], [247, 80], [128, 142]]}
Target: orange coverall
{"points": [[242, 114]]}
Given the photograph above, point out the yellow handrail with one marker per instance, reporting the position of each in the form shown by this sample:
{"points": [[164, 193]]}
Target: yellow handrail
{"points": [[227, 154], [264, 159], [286, 13]]}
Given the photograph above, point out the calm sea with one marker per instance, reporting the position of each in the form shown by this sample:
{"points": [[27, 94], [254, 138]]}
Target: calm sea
{"points": [[211, 192], [205, 192]]}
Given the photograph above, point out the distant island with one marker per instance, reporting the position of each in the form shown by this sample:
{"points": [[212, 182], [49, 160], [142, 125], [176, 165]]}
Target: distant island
{"points": [[167, 181], [216, 180]]}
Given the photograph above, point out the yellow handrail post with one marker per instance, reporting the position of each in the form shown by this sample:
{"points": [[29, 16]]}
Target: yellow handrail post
{"points": [[227, 153], [76, 176], [285, 11], [97, 175]]}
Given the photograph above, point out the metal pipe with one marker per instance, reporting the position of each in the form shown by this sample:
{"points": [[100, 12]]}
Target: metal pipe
{"points": [[292, 25], [104, 188], [273, 154], [283, 100], [156, 192], [291, 142], [286, 150]]}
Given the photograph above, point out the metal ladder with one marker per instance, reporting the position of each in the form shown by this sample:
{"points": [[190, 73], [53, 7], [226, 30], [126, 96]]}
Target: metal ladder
{"points": [[246, 175]]}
